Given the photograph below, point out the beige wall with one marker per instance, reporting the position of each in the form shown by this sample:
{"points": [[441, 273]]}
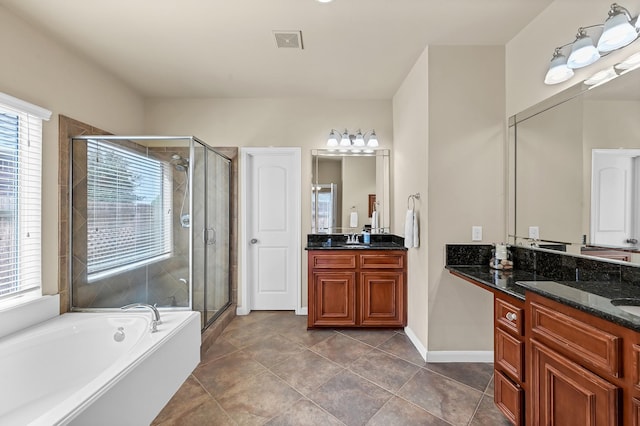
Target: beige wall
{"points": [[301, 123], [410, 175], [528, 54], [36, 69], [467, 138]]}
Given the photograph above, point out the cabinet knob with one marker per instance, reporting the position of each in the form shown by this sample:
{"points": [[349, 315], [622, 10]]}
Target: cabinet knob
{"points": [[511, 316]]}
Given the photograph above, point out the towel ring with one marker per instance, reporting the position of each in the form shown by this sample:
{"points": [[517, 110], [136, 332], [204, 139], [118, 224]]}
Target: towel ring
{"points": [[411, 200]]}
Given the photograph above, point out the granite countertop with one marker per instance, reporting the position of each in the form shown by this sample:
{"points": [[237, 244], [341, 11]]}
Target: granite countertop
{"points": [[593, 297], [339, 242], [360, 246]]}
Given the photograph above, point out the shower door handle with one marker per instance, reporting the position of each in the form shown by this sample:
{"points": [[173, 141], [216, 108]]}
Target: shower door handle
{"points": [[209, 236]]}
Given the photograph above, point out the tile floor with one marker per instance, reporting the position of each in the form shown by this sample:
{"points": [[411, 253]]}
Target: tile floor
{"points": [[268, 369]]}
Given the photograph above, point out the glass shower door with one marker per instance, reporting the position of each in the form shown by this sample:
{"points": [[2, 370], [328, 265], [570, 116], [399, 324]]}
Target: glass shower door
{"points": [[217, 235]]}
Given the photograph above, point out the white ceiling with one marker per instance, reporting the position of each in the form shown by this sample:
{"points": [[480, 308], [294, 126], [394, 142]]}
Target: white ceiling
{"points": [[353, 49]]}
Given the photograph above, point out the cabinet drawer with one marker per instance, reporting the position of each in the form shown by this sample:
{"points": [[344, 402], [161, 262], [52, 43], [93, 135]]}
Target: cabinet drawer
{"points": [[576, 339], [382, 260], [508, 398], [509, 316], [635, 362], [509, 354], [332, 261]]}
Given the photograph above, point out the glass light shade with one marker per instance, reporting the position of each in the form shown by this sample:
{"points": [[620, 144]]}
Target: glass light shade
{"points": [[558, 70], [332, 141], [345, 141], [601, 76], [617, 33], [631, 62], [373, 140], [359, 141], [583, 53]]}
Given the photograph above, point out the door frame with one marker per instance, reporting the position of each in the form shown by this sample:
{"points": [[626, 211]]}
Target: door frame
{"points": [[244, 307]]}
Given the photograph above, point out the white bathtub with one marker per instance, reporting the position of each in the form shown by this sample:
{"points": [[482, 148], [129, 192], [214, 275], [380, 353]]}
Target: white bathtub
{"points": [[71, 370]]}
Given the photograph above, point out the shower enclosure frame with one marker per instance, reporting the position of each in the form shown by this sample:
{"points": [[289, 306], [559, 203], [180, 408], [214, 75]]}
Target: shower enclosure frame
{"points": [[192, 140]]}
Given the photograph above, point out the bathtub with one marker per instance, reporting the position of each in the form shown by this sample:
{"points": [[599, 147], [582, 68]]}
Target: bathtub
{"points": [[96, 368]]}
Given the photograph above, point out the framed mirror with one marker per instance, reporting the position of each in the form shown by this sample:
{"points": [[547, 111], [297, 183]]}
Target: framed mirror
{"points": [[350, 191], [574, 170]]}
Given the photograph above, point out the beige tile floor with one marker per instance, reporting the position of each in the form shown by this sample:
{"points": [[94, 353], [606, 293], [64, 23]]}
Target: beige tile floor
{"points": [[268, 369]]}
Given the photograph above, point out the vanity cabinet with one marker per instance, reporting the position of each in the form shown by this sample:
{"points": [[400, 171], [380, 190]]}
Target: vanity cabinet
{"points": [[509, 350], [357, 288], [576, 367]]}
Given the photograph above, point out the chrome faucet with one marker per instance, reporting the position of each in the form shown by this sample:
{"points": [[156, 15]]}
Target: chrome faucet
{"points": [[155, 314]]}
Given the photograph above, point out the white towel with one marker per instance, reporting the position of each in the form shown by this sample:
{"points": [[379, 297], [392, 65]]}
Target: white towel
{"points": [[353, 220], [416, 230], [374, 222], [408, 229]]}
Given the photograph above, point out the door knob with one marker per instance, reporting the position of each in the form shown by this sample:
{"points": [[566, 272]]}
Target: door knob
{"points": [[254, 241]]}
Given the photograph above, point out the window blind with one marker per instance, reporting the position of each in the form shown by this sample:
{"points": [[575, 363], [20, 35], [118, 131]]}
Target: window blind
{"points": [[129, 202], [20, 196]]}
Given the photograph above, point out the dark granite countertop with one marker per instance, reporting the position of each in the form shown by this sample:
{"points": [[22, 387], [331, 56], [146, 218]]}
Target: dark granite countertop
{"points": [[502, 281], [593, 297], [339, 242], [345, 246]]}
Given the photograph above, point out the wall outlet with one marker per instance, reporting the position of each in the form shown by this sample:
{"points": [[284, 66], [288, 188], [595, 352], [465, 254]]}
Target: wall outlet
{"points": [[534, 232], [476, 233]]}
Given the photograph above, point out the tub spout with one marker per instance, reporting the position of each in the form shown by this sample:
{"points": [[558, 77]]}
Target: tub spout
{"points": [[155, 314]]}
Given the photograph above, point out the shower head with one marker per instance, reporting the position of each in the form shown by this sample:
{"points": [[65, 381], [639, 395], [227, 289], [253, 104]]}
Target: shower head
{"points": [[181, 164]]}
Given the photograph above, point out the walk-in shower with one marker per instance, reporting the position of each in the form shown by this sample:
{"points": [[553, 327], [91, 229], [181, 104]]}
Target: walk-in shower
{"points": [[150, 224]]}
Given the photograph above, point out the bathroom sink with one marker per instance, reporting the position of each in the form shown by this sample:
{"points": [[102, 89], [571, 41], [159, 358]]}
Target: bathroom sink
{"points": [[355, 246], [631, 306]]}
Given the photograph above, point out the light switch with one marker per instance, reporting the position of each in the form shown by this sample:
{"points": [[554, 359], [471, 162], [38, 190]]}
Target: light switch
{"points": [[476, 233], [534, 232]]}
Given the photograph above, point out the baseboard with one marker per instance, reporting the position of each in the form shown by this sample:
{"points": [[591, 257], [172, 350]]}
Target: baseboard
{"points": [[241, 310], [459, 356], [416, 342], [302, 311]]}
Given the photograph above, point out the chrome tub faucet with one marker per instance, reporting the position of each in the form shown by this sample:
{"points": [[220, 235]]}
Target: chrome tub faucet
{"points": [[155, 314]]}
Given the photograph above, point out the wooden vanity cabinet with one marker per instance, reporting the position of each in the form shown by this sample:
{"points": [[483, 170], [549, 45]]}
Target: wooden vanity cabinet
{"points": [[509, 352], [575, 363], [357, 288]]}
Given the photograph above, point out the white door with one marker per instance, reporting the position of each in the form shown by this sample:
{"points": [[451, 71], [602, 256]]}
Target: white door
{"points": [[273, 228], [611, 198]]}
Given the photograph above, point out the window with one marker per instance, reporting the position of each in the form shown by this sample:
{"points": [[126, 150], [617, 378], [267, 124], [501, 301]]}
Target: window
{"points": [[129, 204], [20, 196]]}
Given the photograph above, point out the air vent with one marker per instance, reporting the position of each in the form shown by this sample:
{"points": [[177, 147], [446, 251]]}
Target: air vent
{"points": [[288, 39]]}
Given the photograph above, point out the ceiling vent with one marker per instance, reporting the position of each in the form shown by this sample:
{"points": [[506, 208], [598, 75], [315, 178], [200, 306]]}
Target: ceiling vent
{"points": [[288, 39]]}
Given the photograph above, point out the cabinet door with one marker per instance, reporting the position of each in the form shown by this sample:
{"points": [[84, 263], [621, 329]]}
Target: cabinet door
{"points": [[382, 299], [334, 299], [565, 394], [508, 398]]}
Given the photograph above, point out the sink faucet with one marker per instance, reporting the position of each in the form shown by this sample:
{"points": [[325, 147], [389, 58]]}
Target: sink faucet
{"points": [[352, 239], [155, 314]]}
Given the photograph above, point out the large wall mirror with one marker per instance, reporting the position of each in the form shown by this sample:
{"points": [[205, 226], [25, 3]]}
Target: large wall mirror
{"points": [[574, 170], [350, 191]]}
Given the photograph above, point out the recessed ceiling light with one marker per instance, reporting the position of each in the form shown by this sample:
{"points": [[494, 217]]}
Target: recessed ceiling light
{"points": [[324, 1]]}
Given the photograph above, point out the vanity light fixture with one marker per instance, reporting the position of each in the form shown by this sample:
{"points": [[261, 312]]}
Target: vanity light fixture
{"points": [[354, 143], [618, 31], [631, 63], [583, 52], [601, 77], [558, 69]]}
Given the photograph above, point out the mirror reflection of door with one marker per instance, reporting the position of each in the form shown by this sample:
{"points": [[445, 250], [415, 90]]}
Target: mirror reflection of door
{"points": [[324, 207], [614, 197]]}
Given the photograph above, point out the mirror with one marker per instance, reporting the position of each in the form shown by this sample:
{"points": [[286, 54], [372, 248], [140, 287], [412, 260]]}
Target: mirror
{"points": [[574, 170], [349, 191]]}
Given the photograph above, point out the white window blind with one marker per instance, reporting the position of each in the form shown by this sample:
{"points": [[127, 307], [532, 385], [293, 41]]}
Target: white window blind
{"points": [[20, 196], [129, 203]]}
